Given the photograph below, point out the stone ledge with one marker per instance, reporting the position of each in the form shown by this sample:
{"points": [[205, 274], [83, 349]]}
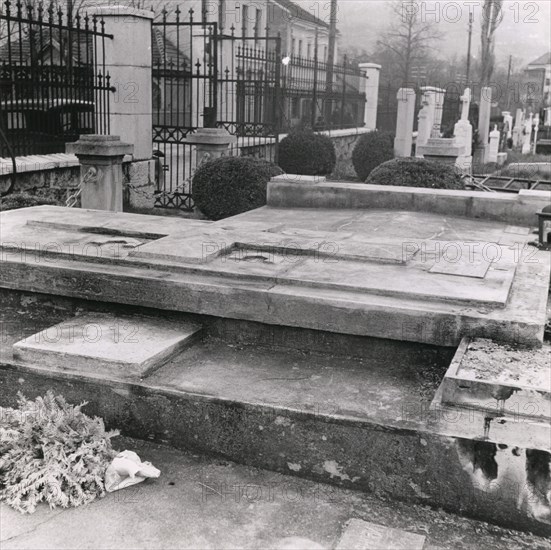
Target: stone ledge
{"points": [[507, 207], [38, 163]]}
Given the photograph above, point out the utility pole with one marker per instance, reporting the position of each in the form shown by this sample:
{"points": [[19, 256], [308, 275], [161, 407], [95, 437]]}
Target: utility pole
{"points": [[468, 72], [509, 79], [330, 59]]}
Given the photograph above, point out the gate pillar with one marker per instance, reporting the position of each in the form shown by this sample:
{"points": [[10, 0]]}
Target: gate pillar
{"points": [[211, 143], [128, 59]]}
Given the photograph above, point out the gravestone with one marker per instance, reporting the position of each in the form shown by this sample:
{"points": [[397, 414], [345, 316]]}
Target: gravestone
{"points": [[536, 130], [435, 98], [463, 134], [484, 122], [547, 120], [508, 124], [493, 148], [518, 127], [424, 127], [404, 122], [527, 135]]}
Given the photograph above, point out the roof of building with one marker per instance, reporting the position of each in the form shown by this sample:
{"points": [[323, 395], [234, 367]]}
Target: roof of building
{"points": [[164, 51], [545, 59], [301, 13]]}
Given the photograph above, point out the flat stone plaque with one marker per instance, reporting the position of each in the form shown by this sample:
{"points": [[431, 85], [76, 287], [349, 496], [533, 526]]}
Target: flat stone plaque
{"points": [[363, 535], [103, 344]]}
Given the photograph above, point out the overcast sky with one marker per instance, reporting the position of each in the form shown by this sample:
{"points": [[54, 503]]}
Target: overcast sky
{"points": [[525, 31]]}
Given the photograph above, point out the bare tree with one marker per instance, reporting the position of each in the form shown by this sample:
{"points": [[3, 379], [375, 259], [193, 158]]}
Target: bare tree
{"points": [[492, 15], [408, 36]]}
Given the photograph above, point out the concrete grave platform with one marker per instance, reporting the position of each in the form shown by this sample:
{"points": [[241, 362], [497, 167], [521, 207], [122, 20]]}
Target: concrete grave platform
{"points": [[498, 378], [348, 410], [394, 274], [100, 345]]}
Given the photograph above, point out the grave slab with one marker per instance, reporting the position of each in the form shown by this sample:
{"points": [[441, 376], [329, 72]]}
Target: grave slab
{"points": [[348, 271], [104, 345]]}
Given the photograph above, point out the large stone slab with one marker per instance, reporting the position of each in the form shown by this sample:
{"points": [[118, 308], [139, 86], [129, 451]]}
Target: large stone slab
{"points": [[105, 345], [385, 273]]}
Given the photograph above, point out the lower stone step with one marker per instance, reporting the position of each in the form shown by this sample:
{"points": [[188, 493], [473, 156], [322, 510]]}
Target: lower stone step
{"points": [[121, 346]]}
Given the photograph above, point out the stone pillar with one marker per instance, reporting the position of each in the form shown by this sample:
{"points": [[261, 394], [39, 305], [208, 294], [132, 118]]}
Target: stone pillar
{"points": [[493, 148], [128, 60], [404, 122], [484, 122], [210, 143], [527, 136], [463, 134], [372, 72], [424, 127], [100, 160], [517, 128], [547, 119], [536, 130], [438, 112], [508, 123]]}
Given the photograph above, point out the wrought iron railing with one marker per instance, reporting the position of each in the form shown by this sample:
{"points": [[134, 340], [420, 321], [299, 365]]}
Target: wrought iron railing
{"points": [[53, 82]]}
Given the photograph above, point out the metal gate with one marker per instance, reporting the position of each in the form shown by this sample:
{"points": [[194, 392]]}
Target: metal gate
{"points": [[184, 99], [205, 79]]}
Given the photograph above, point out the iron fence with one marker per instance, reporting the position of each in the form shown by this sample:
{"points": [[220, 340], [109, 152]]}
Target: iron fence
{"points": [[53, 82]]}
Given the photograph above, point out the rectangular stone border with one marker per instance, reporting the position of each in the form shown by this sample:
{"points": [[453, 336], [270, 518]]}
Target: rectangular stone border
{"points": [[292, 191]]}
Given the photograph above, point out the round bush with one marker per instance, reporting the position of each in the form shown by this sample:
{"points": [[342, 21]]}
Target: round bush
{"points": [[414, 172], [371, 150], [231, 185], [308, 154], [24, 200]]}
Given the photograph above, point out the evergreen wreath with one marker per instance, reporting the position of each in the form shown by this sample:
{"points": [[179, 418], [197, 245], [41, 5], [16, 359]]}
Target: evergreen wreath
{"points": [[51, 451]]}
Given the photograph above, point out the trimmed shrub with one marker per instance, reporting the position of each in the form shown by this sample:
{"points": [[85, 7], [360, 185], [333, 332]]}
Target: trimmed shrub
{"points": [[308, 154], [371, 150], [24, 200], [232, 185], [414, 172]]}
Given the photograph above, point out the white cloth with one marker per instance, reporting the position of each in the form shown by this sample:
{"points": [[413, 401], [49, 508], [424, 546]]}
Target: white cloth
{"points": [[127, 469]]}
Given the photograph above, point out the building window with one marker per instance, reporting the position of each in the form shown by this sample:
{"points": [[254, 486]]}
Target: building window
{"points": [[293, 46], [257, 23], [309, 51], [295, 107], [325, 53], [221, 15], [300, 48], [245, 14]]}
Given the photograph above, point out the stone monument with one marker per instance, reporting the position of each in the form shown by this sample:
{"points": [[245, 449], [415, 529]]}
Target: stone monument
{"points": [[463, 134], [424, 127], [508, 124], [484, 122], [493, 148], [527, 135], [404, 122], [517, 129], [536, 130]]}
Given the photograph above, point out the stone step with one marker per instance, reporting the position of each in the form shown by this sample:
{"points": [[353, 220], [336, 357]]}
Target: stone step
{"points": [[95, 344], [352, 415], [500, 379]]}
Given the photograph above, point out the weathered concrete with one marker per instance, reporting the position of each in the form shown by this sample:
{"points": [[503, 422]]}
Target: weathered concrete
{"points": [[346, 410], [515, 208], [100, 345], [363, 535], [425, 271], [486, 376], [205, 503]]}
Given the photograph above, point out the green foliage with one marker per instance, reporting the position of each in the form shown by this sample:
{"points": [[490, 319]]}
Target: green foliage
{"points": [[232, 185], [50, 451], [371, 150], [414, 172], [24, 200], [306, 153]]}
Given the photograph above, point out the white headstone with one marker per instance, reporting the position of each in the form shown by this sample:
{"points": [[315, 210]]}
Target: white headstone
{"points": [[527, 135], [547, 120], [463, 134], [424, 127], [518, 128], [493, 148], [536, 130], [484, 121], [404, 122], [508, 123]]}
